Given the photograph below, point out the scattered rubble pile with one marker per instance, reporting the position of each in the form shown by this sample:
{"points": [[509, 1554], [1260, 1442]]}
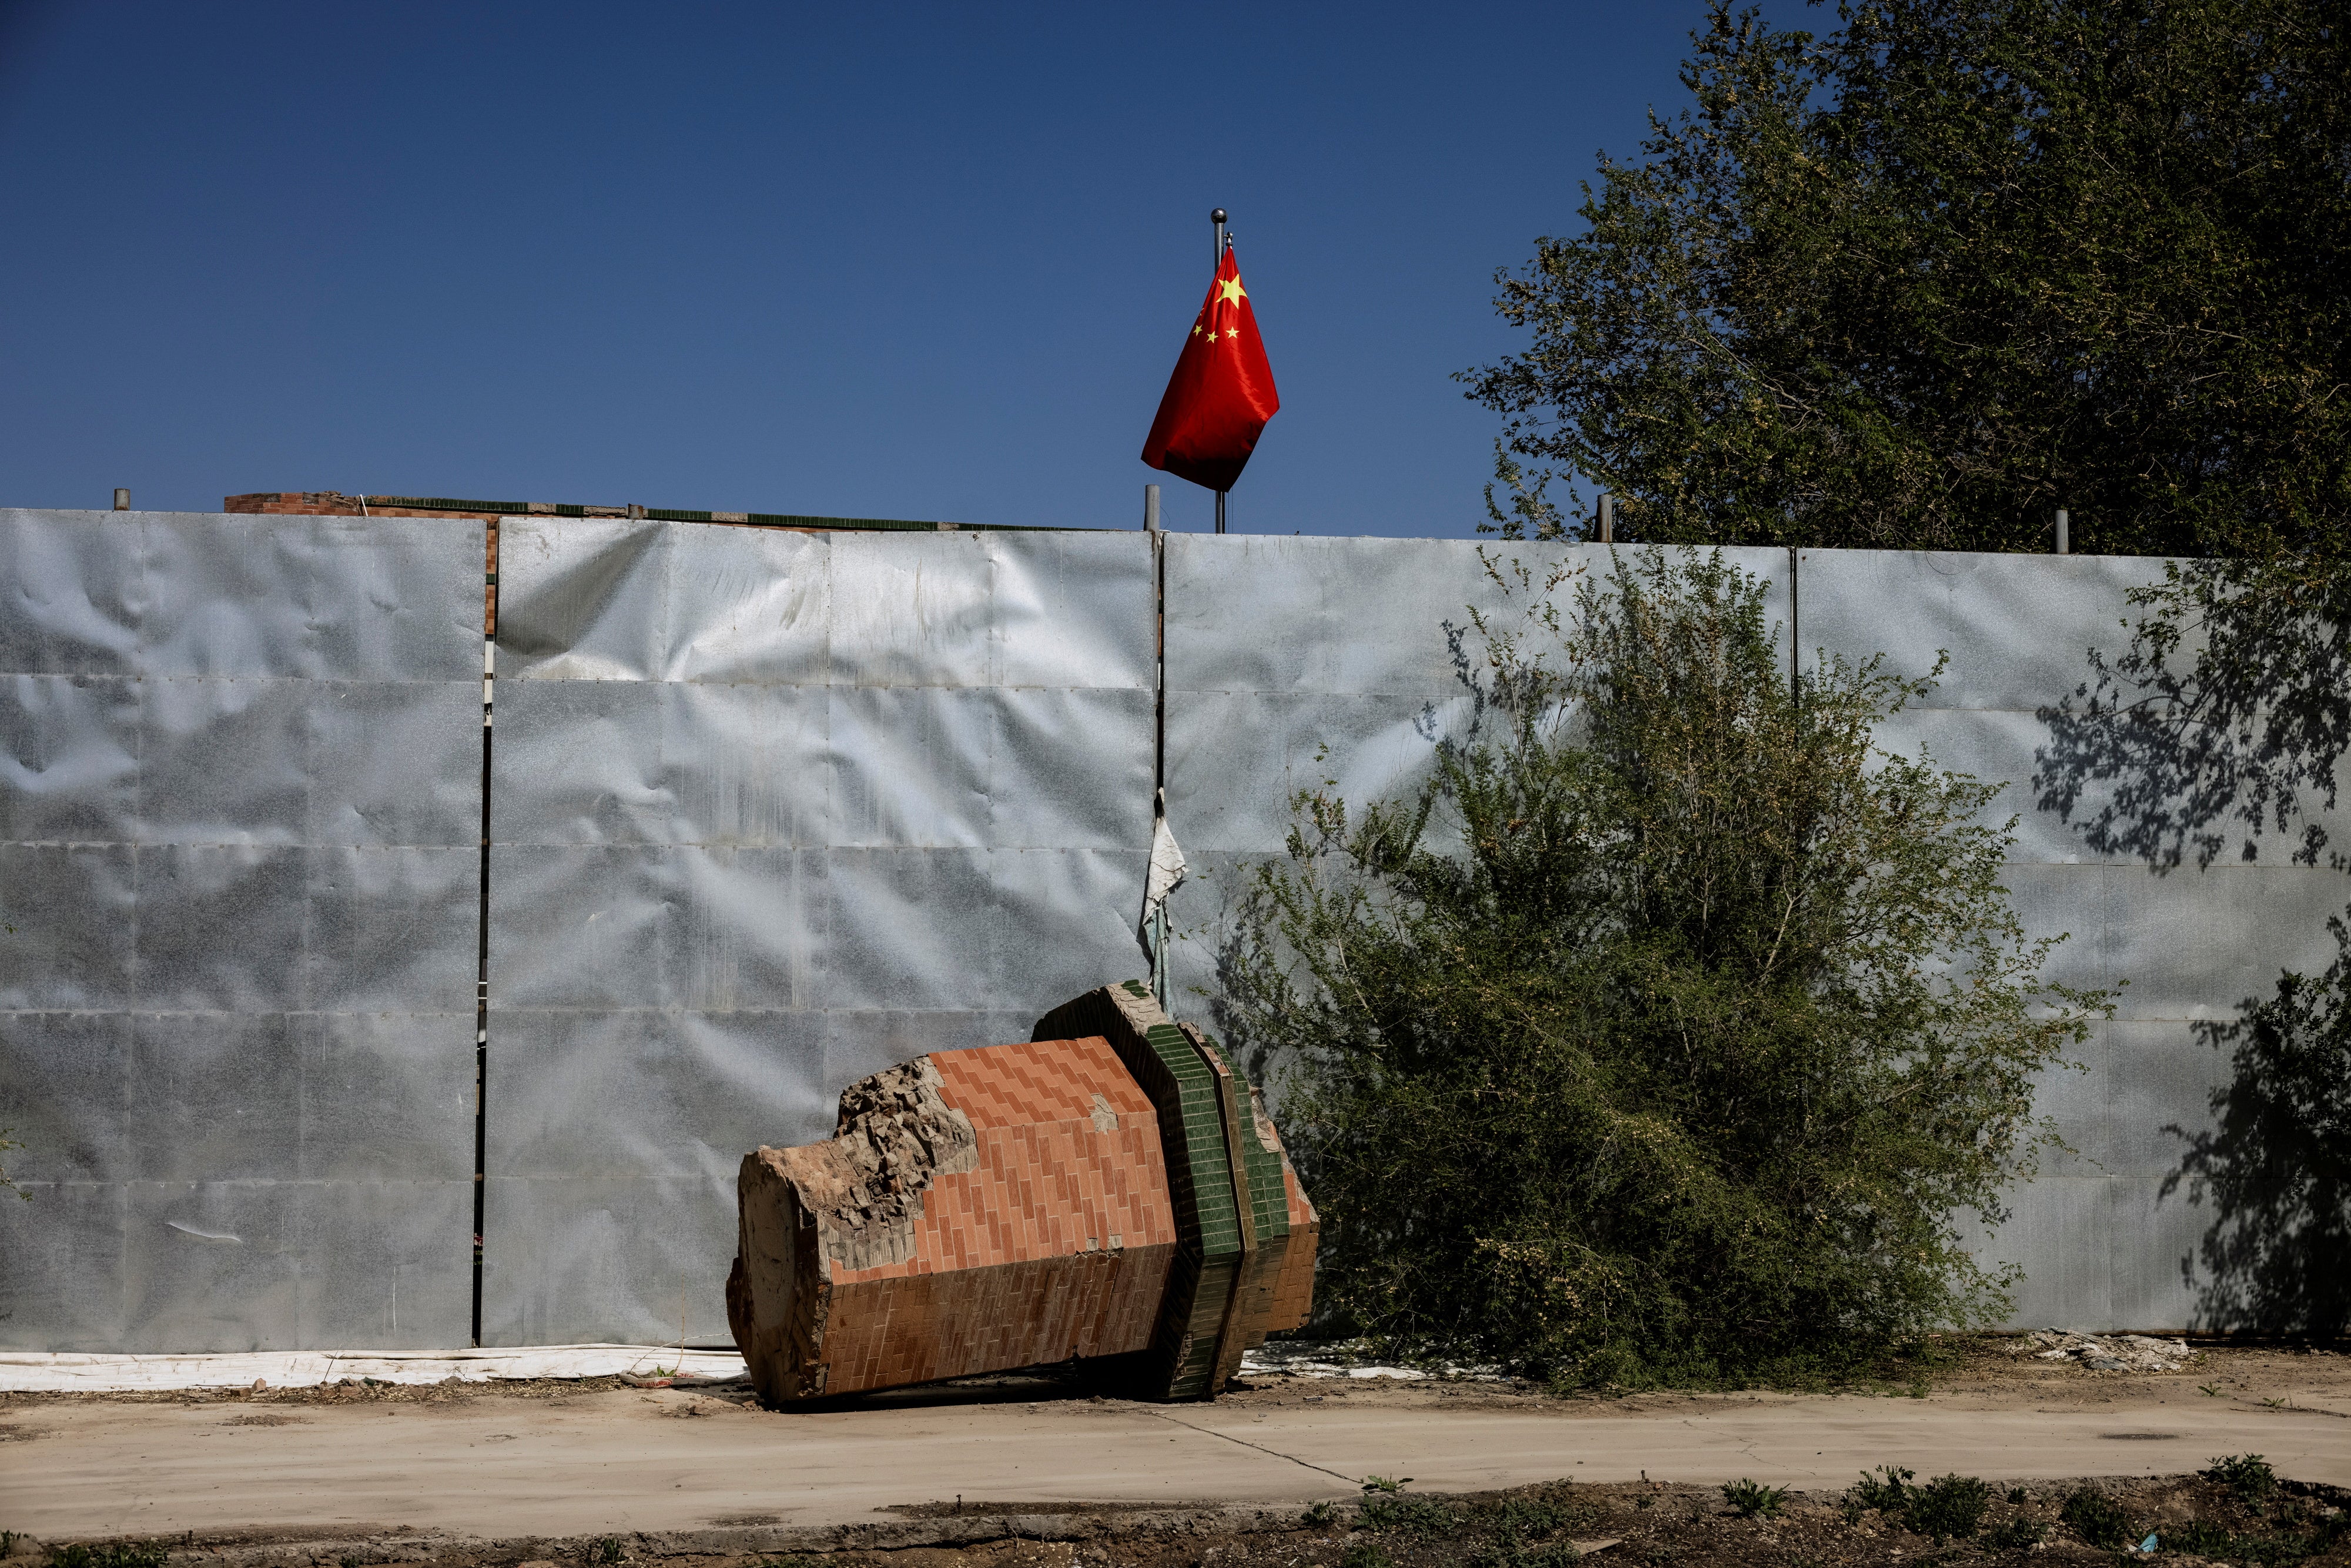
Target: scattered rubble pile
{"points": [[2105, 1352], [1111, 1188]]}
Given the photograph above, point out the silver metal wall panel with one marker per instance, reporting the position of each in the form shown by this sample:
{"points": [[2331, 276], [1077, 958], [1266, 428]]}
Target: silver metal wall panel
{"points": [[239, 794], [772, 812], [1295, 660], [2099, 1240]]}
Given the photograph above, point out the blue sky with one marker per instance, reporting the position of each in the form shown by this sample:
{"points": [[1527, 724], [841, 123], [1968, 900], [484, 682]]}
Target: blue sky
{"points": [[923, 262]]}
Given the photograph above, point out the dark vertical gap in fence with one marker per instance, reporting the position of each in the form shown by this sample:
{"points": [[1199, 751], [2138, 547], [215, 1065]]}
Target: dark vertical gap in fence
{"points": [[1795, 645], [482, 950], [1159, 667]]}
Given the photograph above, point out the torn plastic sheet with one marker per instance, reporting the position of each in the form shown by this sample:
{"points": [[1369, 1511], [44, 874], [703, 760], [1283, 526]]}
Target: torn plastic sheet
{"points": [[46, 1372]]}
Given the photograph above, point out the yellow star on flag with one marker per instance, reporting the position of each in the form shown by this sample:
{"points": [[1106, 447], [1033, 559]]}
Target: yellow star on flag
{"points": [[1231, 290]]}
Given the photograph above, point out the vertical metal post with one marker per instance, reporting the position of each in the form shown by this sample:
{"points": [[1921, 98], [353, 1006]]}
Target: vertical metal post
{"points": [[2064, 533], [121, 499], [1151, 508], [1220, 511], [1608, 518], [1216, 220]]}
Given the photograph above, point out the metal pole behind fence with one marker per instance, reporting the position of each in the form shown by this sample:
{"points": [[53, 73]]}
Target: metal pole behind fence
{"points": [[1151, 508], [122, 500], [1608, 518], [2064, 533]]}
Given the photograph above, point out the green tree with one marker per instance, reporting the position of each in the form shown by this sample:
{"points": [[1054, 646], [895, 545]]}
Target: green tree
{"points": [[1919, 282], [1666, 1032]]}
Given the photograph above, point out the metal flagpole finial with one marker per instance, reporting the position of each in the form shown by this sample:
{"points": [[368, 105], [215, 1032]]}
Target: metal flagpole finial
{"points": [[1218, 218]]}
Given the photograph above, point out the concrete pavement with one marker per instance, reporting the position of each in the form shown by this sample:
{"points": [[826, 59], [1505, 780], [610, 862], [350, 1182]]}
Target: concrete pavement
{"points": [[639, 1461]]}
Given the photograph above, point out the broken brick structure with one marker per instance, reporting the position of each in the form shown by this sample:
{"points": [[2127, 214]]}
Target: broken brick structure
{"points": [[1111, 1188]]}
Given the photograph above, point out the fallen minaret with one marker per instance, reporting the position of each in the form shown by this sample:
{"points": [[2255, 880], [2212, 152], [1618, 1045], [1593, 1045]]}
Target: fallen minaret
{"points": [[1112, 1187]]}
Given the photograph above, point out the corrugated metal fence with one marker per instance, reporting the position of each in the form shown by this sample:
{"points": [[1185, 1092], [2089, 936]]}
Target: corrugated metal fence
{"points": [[771, 810]]}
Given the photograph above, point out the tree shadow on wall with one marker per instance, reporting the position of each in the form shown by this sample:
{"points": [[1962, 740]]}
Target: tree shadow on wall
{"points": [[2225, 720], [2276, 1167]]}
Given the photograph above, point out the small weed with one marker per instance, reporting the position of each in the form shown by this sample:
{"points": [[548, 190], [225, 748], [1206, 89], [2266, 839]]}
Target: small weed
{"points": [[607, 1550], [2015, 1534], [1381, 1483], [1918, 1389], [1951, 1508], [2274, 1404], [1558, 1554], [350, 1562], [1536, 1517], [1408, 1516], [1320, 1515], [2016, 1495], [2096, 1517], [1363, 1554], [1852, 1508], [1884, 1491], [2247, 1475], [1645, 1501], [1752, 1499], [2210, 1390]]}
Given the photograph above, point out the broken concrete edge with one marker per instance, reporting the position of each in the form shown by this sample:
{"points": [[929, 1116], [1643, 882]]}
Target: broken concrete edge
{"points": [[290, 1548]]}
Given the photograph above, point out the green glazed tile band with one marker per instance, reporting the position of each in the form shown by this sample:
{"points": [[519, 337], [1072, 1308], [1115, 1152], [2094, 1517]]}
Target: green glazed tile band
{"points": [[1183, 1090]]}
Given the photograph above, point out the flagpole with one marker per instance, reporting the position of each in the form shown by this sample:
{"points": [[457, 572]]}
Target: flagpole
{"points": [[1216, 219]]}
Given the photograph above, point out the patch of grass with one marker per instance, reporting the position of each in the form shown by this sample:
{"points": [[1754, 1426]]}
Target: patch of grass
{"points": [[607, 1550], [2247, 1476], [1363, 1554], [1409, 1516], [114, 1555], [1886, 1490], [2097, 1517], [1949, 1508], [2017, 1534], [2016, 1494], [1383, 1483], [1538, 1518], [1320, 1514], [1752, 1499]]}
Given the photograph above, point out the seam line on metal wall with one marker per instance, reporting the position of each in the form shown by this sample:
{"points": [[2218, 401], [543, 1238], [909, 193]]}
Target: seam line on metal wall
{"points": [[482, 950]]}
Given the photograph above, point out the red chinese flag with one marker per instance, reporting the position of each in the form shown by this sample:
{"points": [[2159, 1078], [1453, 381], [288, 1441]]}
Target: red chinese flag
{"points": [[1221, 393]]}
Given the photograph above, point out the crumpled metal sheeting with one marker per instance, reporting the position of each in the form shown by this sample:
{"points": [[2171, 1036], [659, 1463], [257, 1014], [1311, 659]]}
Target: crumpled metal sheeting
{"points": [[238, 802], [772, 812]]}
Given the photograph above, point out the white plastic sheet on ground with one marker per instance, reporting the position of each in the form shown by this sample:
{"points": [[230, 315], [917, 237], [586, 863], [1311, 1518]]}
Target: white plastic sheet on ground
{"points": [[25, 1372]]}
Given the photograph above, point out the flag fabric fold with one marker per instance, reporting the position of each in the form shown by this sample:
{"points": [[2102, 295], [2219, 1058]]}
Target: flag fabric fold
{"points": [[1221, 394]]}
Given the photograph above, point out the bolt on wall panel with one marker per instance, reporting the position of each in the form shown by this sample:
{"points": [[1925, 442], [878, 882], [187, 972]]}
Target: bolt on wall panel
{"points": [[239, 802], [772, 812]]}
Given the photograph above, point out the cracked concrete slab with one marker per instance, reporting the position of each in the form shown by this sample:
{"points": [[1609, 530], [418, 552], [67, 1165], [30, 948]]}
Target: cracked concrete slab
{"points": [[631, 1461]]}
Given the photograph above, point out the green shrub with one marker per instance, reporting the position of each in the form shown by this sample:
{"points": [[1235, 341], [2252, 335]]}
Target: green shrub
{"points": [[2097, 1517], [1665, 1034], [2247, 1475], [1949, 1508], [1887, 1490], [1750, 1499], [2016, 1534]]}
